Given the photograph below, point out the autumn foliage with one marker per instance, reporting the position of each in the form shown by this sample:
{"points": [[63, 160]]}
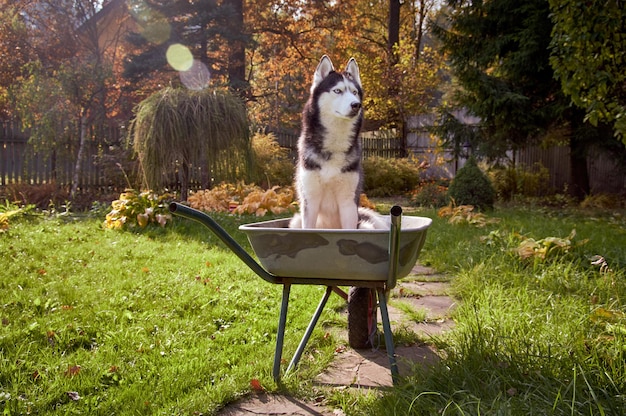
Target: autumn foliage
{"points": [[244, 199]]}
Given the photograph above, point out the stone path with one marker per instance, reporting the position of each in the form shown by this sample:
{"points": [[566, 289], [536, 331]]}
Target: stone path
{"points": [[425, 292]]}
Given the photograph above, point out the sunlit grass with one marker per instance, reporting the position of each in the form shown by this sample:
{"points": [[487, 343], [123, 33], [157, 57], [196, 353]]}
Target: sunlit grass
{"points": [[532, 336], [168, 321], [106, 322], [413, 313]]}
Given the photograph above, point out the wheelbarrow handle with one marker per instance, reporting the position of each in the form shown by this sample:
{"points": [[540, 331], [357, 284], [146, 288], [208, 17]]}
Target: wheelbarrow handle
{"points": [[395, 215], [204, 219]]}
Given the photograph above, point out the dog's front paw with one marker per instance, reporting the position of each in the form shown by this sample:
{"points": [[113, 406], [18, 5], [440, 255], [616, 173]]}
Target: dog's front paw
{"points": [[296, 221]]}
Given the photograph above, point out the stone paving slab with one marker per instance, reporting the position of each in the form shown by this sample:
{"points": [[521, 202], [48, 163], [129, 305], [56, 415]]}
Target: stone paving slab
{"points": [[276, 405], [436, 307], [420, 288], [369, 369]]}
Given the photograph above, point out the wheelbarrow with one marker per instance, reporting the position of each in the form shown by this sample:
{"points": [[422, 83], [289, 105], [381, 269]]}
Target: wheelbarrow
{"points": [[369, 261]]}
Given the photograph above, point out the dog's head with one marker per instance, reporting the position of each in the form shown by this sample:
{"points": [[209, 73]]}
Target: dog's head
{"points": [[339, 93]]}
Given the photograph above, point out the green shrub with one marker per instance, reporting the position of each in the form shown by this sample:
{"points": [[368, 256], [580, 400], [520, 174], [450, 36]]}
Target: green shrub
{"points": [[432, 194], [389, 177], [602, 201], [525, 181], [471, 186], [272, 164], [9, 211], [139, 209]]}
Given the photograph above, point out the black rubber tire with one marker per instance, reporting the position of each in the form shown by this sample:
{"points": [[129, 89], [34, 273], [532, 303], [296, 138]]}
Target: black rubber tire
{"points": [[361, 317]]}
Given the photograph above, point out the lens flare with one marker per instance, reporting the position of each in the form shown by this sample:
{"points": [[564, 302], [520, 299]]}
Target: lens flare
{"points": [[197, 77], [179, 57], [153, 25], [157, 32]]}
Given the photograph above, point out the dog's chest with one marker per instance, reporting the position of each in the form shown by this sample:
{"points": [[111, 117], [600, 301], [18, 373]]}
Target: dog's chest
{"points": [[333, 167], [331, 159]]}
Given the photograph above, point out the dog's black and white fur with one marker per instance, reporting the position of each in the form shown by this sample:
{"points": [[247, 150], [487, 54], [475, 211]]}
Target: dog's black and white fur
{"points": [[329, 174]]}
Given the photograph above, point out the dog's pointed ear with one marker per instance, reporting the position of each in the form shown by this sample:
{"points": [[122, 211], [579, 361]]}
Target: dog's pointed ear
{"points": [[352, 71], [324, 68]]}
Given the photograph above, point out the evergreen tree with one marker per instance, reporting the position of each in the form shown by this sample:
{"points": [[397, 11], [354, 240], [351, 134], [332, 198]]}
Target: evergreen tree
{"points": [[499, 52], [211, 30]]}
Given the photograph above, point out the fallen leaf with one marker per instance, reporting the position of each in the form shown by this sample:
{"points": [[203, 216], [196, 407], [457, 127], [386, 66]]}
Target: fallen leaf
{"points": [[162, 219], [256, 385], [340, 349], [72, 370], [73, 395], [142, 220]]}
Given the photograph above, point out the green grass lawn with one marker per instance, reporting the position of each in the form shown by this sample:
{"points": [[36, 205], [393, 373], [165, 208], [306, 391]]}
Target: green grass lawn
{"points": [[168, 321], [152, 322], [532, 336]]}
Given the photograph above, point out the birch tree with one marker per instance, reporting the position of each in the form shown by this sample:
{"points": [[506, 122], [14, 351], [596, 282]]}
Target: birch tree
{"points": [[66, 89]]}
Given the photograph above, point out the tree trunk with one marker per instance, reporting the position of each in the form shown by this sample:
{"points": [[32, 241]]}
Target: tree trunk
{"points": [[205, 177], [394, 30], [83, 121], [421, 18], [579, 175], [184, 181], [237, 54]]}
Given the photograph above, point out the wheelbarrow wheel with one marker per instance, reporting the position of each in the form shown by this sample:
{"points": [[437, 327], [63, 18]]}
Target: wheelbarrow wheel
{"points": [[361, 317]]}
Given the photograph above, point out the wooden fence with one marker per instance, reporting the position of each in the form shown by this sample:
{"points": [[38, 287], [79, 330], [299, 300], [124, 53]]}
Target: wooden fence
{"points": [[21, 163], [106, 166], [386, 146], [606, 173]]}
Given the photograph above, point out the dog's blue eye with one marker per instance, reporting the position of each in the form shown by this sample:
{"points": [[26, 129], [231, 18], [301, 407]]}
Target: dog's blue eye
{"points": [[337, 91]]}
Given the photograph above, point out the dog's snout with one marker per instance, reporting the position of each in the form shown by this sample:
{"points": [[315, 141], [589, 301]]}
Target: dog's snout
{"points": [[356, 105]]}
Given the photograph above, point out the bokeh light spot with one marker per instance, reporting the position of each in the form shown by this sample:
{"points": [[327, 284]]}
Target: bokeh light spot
{"points": [[197, 77], [157, 32], [153, 25], [179, 57]]}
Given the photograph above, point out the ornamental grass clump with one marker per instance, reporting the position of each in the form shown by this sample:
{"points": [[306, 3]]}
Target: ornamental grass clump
{"points": [[273, 165], [177, 131]]}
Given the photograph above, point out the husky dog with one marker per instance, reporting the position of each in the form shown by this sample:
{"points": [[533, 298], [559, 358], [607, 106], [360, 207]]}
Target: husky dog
{"points": [[329, 174]]}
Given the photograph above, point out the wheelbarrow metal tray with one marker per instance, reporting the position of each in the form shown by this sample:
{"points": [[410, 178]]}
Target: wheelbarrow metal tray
{"points": [[361, 254]]}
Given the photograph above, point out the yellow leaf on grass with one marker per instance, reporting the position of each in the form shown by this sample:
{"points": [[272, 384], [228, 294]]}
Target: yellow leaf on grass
{"points": [[142, 220]]}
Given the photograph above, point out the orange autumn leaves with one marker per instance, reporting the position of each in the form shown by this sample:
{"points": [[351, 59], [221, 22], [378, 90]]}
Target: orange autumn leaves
{"points": [[244, 199]]}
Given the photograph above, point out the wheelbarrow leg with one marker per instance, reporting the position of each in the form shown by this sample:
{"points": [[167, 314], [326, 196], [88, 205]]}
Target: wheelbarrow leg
{"points": [[309, 330], [391, 353], [280, 337]]}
